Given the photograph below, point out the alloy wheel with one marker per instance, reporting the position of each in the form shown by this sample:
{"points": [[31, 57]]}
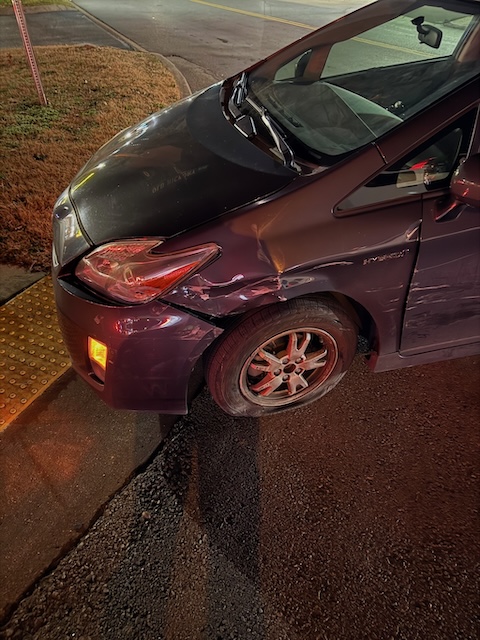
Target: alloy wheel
{"points": [[288, 366]]}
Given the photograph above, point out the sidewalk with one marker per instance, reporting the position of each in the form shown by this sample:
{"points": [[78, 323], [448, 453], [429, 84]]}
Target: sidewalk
{"points": [[67, 454]]}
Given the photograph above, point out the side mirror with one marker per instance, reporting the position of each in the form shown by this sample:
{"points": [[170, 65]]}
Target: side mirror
{"points": [[465, 183], [302, 64]]}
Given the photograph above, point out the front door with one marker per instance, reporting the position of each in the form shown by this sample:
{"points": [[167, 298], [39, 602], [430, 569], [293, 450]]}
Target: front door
{"points": [[443, 304]]}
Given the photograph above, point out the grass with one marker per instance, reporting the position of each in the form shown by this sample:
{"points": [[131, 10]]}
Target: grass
{"points": [[93, 93]]}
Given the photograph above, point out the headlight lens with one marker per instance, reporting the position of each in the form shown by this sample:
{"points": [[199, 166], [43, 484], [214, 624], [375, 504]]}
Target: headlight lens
{"points": [[68, 240], [131, 271]]}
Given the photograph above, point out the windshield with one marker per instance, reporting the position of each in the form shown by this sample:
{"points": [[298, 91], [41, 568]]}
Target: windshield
{"points": [[331, 99]]}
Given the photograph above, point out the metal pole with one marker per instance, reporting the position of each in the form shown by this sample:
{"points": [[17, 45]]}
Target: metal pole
{"points": [[22, 26]]}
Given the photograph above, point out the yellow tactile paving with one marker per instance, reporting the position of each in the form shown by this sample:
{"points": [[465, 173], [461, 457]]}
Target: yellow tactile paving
{"points": [[32, 353]]}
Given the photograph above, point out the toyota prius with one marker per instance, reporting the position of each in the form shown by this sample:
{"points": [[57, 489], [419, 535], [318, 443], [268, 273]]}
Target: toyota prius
{"points": [[261, 232]]}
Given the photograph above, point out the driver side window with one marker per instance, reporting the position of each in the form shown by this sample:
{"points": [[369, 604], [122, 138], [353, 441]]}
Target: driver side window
{"points": [[427, 168]]}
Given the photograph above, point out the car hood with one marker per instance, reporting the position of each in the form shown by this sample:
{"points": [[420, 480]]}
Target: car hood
{"points": [[180, 167]]}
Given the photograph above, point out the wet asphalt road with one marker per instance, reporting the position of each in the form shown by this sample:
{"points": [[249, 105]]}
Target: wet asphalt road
{"points": [[355, 517]]}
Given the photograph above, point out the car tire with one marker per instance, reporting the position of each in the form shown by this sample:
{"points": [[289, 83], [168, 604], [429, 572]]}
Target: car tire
{"points": [[281, 357]]}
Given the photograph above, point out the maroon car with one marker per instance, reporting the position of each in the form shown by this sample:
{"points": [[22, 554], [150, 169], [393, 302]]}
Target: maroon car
{"points": [[261, 230]]}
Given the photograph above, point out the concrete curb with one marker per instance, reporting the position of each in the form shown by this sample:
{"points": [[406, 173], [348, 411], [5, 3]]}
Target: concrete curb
{"points": [[14, 280]]}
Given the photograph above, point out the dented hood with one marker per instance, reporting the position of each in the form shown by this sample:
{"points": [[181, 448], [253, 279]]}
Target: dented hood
{"points": [[175, 170]]}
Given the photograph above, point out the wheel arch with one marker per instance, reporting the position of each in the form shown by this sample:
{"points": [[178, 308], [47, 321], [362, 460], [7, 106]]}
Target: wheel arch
{"points": [[367, 327]]}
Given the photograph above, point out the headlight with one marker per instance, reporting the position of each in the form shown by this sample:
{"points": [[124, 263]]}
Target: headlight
{"points": [[132, 271], [68, 240]]}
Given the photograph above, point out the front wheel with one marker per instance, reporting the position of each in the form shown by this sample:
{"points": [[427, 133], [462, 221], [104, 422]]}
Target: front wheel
{"points": [[281, 357]]}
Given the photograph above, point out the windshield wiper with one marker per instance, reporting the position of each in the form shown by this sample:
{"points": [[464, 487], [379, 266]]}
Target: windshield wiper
{"points": [[246, 124], [276, 134], [240, 91], [241, 121]]}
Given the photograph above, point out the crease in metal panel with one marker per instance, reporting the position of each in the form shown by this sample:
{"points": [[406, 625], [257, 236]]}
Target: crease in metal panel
{"points": [[32, 352]]}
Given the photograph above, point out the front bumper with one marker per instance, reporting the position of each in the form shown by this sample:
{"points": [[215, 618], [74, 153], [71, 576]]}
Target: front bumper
{"points": [[152, 349]]}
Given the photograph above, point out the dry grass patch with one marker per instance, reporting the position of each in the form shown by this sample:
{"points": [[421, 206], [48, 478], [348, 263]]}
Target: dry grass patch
{"points": [[93, 93]]}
